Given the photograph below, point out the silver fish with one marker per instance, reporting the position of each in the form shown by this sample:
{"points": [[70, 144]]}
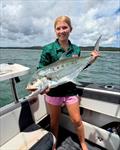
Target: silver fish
{"points": [[60, 72]]}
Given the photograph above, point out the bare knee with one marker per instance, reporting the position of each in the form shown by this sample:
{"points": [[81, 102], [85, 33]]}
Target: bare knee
{"points": [[77, 122]]}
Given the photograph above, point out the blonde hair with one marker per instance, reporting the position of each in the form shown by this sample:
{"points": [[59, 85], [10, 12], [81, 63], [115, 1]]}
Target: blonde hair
{"points": [[65, 19]]}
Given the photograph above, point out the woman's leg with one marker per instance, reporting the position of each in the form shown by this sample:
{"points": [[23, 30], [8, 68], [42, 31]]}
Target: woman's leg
{"points": [[54, 108], [74, 112], [54, 112]]}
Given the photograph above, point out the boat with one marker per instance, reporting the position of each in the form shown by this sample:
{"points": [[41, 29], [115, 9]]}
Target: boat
{"points": [[25, 123]]}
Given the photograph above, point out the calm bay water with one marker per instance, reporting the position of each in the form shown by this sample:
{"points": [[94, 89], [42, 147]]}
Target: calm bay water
{"points": [[105, 71]]}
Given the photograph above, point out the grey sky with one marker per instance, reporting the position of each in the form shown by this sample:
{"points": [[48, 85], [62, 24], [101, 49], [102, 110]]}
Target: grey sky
{"points": [[30, 22]]}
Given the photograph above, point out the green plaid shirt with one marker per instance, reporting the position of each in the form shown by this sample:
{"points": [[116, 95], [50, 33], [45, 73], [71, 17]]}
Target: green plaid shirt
{"points": [[53, 51]]}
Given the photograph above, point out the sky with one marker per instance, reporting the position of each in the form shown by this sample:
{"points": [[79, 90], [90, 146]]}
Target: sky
{"points": [[31, 22]]}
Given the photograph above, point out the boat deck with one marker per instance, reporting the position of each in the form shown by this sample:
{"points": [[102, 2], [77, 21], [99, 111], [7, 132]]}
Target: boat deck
{"points": [[68, 140]]}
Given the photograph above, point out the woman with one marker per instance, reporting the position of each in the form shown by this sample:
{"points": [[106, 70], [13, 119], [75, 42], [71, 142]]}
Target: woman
{"points": [[65, 93]]}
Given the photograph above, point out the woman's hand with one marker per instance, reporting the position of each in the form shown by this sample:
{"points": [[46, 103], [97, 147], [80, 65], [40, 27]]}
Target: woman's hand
{"points": [[95, 53], [45, 91]]}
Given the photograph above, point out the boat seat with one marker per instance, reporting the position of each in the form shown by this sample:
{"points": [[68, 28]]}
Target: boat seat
{"points": [[20, 132], [32, 138]]}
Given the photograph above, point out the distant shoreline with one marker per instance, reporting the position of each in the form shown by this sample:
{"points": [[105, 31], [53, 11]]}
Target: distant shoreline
{"points": [[88, 48]]}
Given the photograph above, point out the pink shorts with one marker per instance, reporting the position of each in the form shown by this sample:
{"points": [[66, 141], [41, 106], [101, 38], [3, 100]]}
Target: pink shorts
{"points": [[61, 100]]}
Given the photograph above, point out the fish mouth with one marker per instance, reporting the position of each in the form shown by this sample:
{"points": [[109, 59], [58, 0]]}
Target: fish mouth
{"points": [[36, 84]]}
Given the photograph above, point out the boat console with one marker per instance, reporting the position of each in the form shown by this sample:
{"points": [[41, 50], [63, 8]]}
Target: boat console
{"points": [[18, 121], [12, 72]]}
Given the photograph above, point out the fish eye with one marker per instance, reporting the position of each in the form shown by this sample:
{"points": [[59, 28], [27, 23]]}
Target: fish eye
{"points": [[35, 80]]}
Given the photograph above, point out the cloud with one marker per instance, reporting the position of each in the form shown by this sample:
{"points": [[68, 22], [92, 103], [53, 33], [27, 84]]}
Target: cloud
{"points": [[30, 22]]}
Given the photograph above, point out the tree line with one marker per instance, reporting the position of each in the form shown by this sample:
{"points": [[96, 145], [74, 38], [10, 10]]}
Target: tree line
{"points": [[88, 48]]}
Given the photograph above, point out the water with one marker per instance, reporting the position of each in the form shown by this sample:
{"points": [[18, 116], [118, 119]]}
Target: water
{"points": [[106, 70]]}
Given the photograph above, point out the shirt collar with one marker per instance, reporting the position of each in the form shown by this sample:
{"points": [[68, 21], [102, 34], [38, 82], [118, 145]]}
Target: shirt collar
{"points": [[58, 47]]}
